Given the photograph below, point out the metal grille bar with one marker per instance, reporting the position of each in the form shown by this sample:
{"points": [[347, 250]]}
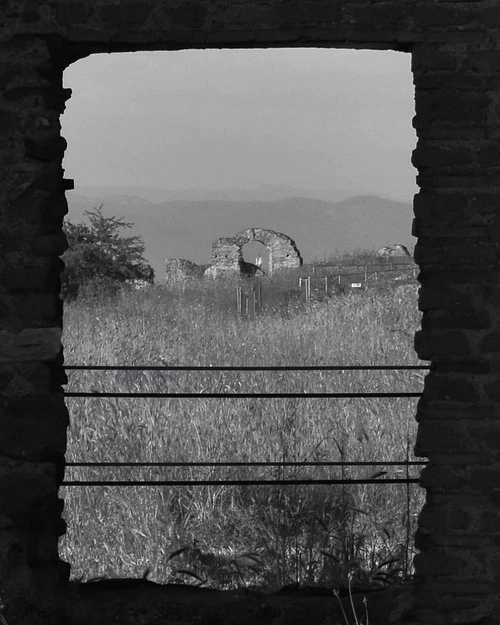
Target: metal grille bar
{"points": [[245, 368], [260, 482], [242, 395], [276, 482], [392, 463]]}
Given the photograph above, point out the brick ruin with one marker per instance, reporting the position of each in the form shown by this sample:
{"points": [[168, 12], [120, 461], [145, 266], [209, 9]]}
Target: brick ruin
{"points": [[227, 252], [179, 269], [456, 66]]}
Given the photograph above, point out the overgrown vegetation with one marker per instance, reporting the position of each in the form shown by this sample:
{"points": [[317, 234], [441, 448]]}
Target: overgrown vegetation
{"points": [[99, 259], [225, 536]]}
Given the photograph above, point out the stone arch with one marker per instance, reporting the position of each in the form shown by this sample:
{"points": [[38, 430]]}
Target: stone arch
{"points": [[227, 255]]}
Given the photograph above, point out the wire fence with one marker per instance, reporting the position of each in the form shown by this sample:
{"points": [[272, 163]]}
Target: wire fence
{"points": [[205, 395]]}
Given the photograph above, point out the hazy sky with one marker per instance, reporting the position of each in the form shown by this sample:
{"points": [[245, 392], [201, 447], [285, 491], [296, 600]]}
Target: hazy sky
{"points": [[308, 118]]}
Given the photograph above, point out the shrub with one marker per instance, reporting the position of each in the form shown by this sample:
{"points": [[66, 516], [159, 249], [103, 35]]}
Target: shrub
{"points": [[99, 258]]}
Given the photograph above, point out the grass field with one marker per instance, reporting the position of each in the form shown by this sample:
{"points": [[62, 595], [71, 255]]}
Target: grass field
{"points": [[229, 536]]}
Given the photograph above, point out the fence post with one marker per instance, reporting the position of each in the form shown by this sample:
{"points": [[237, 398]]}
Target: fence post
{"points": [[238, 300]]}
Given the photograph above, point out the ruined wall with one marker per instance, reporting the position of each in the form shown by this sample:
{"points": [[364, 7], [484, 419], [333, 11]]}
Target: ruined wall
{"points": [[179, 269], [227, 254], [456, 64]]}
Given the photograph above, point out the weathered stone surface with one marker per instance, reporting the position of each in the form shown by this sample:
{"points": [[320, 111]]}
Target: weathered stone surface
{"points": [[227, 255], [397, 250], [30, 344], [180, 269]]}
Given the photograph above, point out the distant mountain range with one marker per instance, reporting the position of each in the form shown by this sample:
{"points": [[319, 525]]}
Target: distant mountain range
{"points": [[184, 224]]}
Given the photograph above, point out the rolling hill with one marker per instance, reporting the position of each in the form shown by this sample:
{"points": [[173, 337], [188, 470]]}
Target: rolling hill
{"points": [[182, 228]]}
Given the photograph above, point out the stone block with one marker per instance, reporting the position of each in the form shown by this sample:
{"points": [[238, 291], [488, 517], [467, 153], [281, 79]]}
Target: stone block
{"points": [[450, 436], [43, 275], [446, 154], [489, 521], [31, 11], [448, 252], [50, 179], [89, 36], [135, 37], [24, 488], [45, 148], [127, 13], [440, 477], [455, 81], [51, 244], [31, 344], [489, 16], [435, 57], [446, 387], [432, 229], [446, 299], [466, 108], [489, 154], [377, 16], [29, 205], [491, 343], [486, 479], [492, 389], [444, 16], [9, 122], [42, 309], [442, 345], [295, 12], [478, 207], [453, 516], [432, 320], [482, 61], [458, 436], [70, 13], [439, 562], [33, 427], [427, 409], [36, 374]]}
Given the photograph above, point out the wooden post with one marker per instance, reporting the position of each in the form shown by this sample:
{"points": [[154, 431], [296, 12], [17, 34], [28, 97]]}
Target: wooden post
{"points": [[239, 300]]}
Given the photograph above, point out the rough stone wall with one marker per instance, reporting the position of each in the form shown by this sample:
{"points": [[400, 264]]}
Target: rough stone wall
{"points": [[456, 64], [227, 254], [179, 269], [33, 416]]}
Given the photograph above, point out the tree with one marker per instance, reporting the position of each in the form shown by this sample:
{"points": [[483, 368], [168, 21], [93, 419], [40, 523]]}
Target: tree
{"points": [[99, 255]]}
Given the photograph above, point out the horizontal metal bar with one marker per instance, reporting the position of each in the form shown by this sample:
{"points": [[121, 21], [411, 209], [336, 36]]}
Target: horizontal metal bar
{"points": [[392, 463], [235, 482], [246, 368], [242, 395]]}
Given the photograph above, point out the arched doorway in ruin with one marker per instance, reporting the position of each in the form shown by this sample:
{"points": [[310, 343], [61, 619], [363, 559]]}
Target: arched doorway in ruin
{"points": [[227, 252]]}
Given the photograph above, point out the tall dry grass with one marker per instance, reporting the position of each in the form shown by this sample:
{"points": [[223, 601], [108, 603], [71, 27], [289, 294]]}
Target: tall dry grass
{"points": [[246, 535]]}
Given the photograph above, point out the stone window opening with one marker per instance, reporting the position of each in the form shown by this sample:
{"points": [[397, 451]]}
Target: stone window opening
{"points": [[281, 250], [454, 51]]}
